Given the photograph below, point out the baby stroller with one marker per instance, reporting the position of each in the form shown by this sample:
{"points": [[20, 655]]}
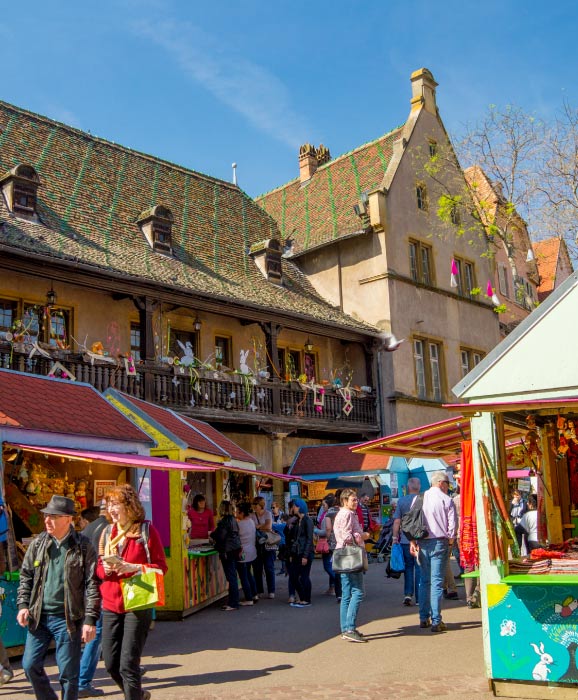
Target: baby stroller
{"points": [[381, 549]]}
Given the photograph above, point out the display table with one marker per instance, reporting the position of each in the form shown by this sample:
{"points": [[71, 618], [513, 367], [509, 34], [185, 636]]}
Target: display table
{"points": [[204, 583]]}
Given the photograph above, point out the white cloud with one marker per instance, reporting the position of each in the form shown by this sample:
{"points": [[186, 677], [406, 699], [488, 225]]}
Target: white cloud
{"points": [[244, 86]]}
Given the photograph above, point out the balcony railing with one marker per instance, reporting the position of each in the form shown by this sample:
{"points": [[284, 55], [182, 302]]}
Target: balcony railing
{"points": [[204, 396]]}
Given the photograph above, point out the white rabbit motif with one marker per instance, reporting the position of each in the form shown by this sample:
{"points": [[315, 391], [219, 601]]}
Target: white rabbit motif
{"points": [[243, 355], [189, 357], [540, 671]]}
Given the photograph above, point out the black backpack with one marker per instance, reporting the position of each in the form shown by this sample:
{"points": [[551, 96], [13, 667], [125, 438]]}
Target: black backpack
{"points": [[413, 523]]}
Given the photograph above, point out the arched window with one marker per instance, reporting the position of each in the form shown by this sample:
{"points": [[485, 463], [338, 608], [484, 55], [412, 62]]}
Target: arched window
{"points": [[421, 196], [20, 186]]}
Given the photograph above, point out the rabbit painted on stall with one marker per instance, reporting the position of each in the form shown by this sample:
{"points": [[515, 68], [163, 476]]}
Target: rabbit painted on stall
{"points": [[540, 671]]}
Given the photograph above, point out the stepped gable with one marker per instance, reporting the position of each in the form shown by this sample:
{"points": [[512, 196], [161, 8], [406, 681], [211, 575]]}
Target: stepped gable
{"points": [[60, 406], [93, 192], [321, 210]]}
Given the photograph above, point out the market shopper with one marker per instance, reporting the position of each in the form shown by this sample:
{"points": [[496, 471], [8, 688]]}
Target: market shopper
{"points": [[328, 522], [348, 530], [518, 507], [301, 554], [137, 544], [201, 518], [265, 552], [323, 543], [433, 551], [247, 532], [227, 540], [92, 651], [58, 599], [411, 573], [528, 525]]}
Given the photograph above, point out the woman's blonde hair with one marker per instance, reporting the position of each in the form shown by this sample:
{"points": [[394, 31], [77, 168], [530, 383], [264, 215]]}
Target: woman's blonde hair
{"points": [[125, 494], [345, 494]]}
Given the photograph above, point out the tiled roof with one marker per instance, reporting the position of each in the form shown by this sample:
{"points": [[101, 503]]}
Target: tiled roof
{"points": [[61, 406], [334, 459], [92, 192], [547, 254], [322, 210], [173, 423], [225, 443]]}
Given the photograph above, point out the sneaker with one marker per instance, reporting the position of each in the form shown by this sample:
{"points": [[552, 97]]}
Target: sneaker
{"points": [[228, 607], [246, 602], [440, 627], [425, 623], [271, 595], [291, 599], [452, 595], [353, 636], [255, 598], [300, 605], [6, 675], [407, 600], [338, 599], [89, 691]]}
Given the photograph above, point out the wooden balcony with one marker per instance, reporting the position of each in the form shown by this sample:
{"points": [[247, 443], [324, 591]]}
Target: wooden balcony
{"points": [[232, 400]]}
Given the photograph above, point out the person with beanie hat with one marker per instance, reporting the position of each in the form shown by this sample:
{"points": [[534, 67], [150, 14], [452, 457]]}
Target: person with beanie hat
{"points": [[301, 554]]}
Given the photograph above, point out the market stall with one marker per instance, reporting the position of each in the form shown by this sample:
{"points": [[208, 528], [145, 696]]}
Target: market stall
{"points": [[530, 602]]}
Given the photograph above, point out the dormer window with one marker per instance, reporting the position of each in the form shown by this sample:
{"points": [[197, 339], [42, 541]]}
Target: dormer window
{"points": [[157, 225], [19, 187], [267, 256]]}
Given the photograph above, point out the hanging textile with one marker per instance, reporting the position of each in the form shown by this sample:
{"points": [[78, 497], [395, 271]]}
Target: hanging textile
{"points": [[469, 555]]}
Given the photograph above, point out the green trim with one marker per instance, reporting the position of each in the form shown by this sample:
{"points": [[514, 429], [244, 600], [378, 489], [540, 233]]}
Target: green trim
{"points": [[471, 574], [194, 555], [6, 131], [115, 198], [307, 222], [46, 148], [540, 579], [355, 175], [382, 158], [216, 227], [332, 203], [78, 182]]}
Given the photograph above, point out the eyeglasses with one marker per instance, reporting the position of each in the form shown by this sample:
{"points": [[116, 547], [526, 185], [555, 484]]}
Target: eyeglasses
{"points": [[445, 482]]}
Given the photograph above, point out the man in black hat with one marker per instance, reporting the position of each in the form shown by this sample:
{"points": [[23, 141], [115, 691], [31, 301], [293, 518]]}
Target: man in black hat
{"points": [[58, 599]]}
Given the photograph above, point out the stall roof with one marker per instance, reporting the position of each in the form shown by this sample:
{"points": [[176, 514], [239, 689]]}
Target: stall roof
{"points": [[442, 439], [192, 433], [513, 406], [47, 404], [335, 460], [131, 460]]}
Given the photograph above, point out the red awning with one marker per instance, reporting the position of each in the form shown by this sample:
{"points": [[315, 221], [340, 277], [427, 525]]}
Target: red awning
{"points": [[442, 439], [132, 460]]}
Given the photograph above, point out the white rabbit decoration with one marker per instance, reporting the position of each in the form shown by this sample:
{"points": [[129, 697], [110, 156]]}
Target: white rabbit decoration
{"points": [[243, 355], [188, 358], [540, 671]]}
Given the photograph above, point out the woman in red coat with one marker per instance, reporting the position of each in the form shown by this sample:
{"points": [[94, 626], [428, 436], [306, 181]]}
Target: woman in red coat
{"points": [[135, 543]]}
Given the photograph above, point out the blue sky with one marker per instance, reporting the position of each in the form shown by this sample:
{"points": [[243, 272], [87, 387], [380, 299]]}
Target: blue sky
{"points": [[208, 84]]}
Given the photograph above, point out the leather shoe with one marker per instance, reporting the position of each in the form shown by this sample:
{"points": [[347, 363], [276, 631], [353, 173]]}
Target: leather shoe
{"points": [[425, 623], [440, 627]]}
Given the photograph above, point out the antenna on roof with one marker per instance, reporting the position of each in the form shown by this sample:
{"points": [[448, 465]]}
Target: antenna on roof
{"points": [[234, 166]]}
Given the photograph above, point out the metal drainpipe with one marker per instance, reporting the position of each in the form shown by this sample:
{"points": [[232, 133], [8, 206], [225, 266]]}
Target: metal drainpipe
{"points": [[380, 395]]}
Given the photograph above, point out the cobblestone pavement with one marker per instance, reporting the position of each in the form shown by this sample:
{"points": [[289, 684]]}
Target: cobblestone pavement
{"points": [[280, 652]]}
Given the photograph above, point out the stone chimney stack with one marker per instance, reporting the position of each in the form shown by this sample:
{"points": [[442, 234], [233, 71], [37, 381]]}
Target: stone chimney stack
{"points": [[423, 89], [307, 162]]}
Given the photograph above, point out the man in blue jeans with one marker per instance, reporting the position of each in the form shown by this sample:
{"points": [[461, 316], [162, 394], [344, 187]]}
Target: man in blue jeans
{"points": [[433, 551], [411, 575], [58, 599]]}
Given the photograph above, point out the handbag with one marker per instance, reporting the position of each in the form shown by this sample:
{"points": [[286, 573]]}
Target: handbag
{"points": [[144, 590], [349, 559], [322, 546], [267, 537]]}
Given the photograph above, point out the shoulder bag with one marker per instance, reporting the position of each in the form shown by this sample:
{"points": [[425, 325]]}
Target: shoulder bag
{"points": [[349, 559]]}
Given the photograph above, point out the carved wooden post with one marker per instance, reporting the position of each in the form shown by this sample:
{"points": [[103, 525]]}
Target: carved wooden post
{"points": [[146, 307], [271, 331]]}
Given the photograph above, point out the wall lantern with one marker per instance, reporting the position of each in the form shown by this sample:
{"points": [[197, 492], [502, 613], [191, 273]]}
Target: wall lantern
{"points": [[51, 297], [308, 345], [197, 323]]}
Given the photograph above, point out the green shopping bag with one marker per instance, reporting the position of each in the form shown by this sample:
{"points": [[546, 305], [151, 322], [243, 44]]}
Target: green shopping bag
{"points": [[143, 590]]}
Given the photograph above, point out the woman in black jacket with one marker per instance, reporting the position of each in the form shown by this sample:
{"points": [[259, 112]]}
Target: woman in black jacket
{"points": [[301, 554], [227, 541]]}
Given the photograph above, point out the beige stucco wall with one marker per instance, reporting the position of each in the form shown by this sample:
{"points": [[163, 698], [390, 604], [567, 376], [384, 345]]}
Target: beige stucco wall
{"points": [[96, 317]]}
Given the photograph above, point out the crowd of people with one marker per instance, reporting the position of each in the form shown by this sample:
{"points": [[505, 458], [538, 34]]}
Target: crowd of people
{"points": [[71, 588]]}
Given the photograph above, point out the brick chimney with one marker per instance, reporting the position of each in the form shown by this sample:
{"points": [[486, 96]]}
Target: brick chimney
{"points": [[423, 89], [307, 162]]}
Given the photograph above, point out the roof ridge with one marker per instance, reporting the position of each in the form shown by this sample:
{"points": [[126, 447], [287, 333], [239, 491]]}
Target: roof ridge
{"points": [[334, 160], [87, 135]]}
